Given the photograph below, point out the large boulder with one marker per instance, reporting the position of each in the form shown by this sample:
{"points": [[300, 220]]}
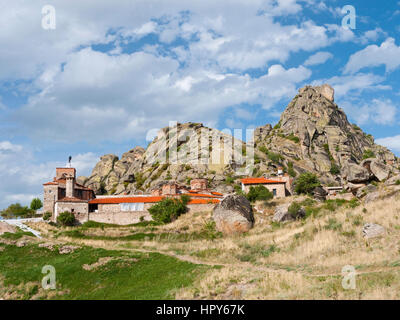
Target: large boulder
{"points": [[354, 173], [366, 190], [282, 213], [233, 214], [320, 194], [371, 230], [376, 168]]}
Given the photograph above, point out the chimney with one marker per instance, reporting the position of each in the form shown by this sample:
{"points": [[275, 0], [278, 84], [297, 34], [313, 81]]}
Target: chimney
{"points": [[70, 181]]}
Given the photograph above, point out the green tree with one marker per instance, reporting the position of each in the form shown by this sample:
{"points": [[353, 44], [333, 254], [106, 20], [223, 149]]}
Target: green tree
{"points": [[306, 183], [16, 210], [259, 193], [36, 204]]}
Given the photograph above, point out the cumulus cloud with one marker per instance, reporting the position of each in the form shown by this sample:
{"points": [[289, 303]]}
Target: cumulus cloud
{"points": [[318, 58], [99, 97], [393, 143], [388, 54], [354, 84], [378, 111]]}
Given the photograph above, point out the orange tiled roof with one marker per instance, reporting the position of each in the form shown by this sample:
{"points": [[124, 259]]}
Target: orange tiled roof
{"points": [[217, 193], [203, 201], [260, 181], [203, 195], [118, 200]]}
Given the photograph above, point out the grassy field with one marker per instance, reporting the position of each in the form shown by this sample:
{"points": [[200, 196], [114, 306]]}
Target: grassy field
{"points": [[296, 260], [126, 275]]}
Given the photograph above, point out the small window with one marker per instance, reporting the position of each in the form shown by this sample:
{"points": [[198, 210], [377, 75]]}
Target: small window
{"points": [[132, 206], [274, 192]]}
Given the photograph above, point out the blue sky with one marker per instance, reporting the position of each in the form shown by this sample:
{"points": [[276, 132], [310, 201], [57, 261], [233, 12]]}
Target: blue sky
{"points": [[113, 71]]}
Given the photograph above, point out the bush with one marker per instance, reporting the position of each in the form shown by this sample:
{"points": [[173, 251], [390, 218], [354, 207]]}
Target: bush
{"points": [[335, 170], [368, 154], [259, 193], [291, 171], [306, 183], [397, 182], [169, 209], [294, 208], [36, 204], [66, 218], [274, 157], [47, 215]]}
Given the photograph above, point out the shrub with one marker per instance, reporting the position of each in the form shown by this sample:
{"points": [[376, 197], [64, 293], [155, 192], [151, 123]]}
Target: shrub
{"points": [[294, 208], [238, 190], [306, 183], [263, 149], [335, 169], [169, 209], [397, 182], [333, 224], [368, 154], [259, 193], [274, 157], [293, 138], [47, 215], [66, 218], [36, 204], [291, 171], [229, 180]]}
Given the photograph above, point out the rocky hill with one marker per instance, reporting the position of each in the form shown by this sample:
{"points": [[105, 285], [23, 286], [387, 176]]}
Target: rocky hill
{"points": [[313, 135]]}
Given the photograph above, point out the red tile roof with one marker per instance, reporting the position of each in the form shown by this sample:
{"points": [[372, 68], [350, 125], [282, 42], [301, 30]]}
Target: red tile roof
{"points": [[260, 181], [203, 201], [203, 195], [118, 200]]}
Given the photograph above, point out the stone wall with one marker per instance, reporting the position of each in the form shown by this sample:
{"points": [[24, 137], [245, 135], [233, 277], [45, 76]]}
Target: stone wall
{"points": [[280, 189], [67, 171], [198, 184], [111, 213], [201, 207], [75, 207], [50, 194]]}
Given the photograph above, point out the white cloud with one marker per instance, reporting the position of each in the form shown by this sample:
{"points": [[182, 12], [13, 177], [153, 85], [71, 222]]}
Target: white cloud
{"points": [[387, 54], [354, 84], [318, 58], [101, 97], [392, 143], [378, 111]]}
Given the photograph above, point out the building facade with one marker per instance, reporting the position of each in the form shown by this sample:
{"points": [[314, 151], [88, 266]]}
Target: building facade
{"points": [[64, 194]]}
